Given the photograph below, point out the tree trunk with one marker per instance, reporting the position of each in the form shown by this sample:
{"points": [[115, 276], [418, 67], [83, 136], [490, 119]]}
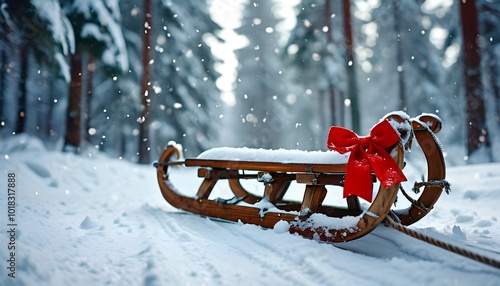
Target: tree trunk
{"points": [[333, 120], [88, 98], [334, 95], [403, 103], [23, 76], [123, 145], [495, 84], [50, 131], [489, 26], [331, 92], [477, 134], [350, 67], [144, 146], [73, 114]]}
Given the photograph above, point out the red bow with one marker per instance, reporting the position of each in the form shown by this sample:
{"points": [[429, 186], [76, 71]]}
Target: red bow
{"points": [[367, 153]]}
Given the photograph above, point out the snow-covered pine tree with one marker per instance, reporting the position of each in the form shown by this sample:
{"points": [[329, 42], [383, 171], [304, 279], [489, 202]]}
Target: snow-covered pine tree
{"points": [[114, 126], [31, 30], [182, 93], [315, 53], [442, 27], [97, 32], [398, 60], [185, 101], [263, 83]]}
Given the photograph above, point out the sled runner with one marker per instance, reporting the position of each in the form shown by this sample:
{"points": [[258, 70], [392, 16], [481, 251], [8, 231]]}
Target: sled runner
{"points": [[354, 164]]}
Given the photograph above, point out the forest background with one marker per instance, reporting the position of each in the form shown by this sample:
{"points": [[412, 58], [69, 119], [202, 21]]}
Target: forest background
{"points": [[126, 77]]}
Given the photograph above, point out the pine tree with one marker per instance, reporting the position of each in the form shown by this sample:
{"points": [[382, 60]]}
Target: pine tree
{"points": [[181, 87], [97, 32], [39, 31], [261, 89], [186, 101], [315, 52], [399, 61]]}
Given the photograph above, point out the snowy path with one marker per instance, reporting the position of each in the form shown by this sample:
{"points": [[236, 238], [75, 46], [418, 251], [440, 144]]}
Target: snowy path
{"points": [[101, 221]]}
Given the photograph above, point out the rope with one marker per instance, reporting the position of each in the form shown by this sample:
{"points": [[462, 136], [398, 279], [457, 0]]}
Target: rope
{"points": [[389, 221], [443, 184], [413, 202]]}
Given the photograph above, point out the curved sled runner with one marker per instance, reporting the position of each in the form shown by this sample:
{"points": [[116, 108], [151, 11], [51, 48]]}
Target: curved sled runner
{"points": [[310, 218]]}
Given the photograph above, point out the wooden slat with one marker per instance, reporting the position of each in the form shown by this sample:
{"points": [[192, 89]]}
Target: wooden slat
{"points": [[324, 179], [320, 179], [223, 174], [267, 166], [276, 176]]}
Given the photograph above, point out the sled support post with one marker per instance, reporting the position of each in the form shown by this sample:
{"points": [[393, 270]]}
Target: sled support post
{"points": [[208, 184], [313, 198], [276, 184], [353, 204]]}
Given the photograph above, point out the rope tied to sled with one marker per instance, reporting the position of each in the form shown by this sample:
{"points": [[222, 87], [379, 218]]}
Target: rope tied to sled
{"points": [[443, 184], [393, 221]]}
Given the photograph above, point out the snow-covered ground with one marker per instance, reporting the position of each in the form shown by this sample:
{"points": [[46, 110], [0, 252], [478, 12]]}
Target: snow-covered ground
{"points": [[97, 220]]}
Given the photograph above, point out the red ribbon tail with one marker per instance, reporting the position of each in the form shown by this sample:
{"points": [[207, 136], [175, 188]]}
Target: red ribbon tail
{"points": [[358, 180], [384, 167]]}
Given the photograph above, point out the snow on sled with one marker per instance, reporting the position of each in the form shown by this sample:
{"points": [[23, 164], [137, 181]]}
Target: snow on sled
{"points": [[354, 163]]}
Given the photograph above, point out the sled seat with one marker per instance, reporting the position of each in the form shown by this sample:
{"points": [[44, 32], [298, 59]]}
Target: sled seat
{"points": [[273, 166], [277, 169], [271, 160], [266, 166]]}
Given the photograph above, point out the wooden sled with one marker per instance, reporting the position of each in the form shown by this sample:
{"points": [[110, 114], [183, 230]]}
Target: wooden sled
{"points": [[307, 218]]}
